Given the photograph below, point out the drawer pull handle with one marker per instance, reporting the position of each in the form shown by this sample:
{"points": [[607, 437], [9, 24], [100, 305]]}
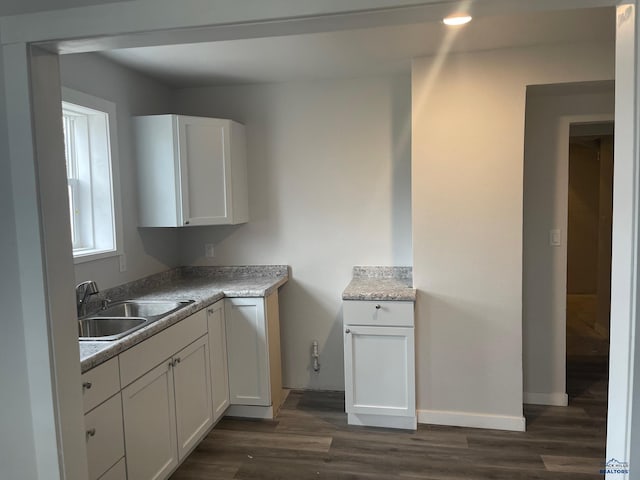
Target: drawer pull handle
{"points": [[86, 385], [91, 432], [378, 306], [347, 331]]}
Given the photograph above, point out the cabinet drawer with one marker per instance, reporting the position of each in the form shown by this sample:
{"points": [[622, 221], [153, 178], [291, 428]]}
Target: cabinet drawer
{"points": [[140, 359], [117, 472], [359, 312], [100, 383], [105, 436]]}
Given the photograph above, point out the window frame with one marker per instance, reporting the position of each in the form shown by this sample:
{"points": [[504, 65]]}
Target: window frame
{"points": [[82, 101]]}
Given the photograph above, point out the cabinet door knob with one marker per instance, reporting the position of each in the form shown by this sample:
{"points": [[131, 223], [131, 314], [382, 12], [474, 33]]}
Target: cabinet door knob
{"points": [[347, 331], [86, 385], [91, 432], [186, 222], [378, 306]]}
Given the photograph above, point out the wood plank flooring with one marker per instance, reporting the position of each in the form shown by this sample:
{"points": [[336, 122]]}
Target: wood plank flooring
{"points": [[310, 439]]}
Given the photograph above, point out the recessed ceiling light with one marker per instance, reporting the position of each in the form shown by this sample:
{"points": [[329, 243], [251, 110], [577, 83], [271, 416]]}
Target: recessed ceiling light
{"points": [[456, 20]]}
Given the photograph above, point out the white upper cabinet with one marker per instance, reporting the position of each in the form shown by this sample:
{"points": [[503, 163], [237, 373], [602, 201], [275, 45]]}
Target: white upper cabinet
{"points": [[191, 171]]}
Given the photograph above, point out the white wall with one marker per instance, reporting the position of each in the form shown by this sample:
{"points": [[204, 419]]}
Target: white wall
{"points": [[147, 250], [549, 112], [329, 188], [17, 448], [15, 7], [467, 185]]}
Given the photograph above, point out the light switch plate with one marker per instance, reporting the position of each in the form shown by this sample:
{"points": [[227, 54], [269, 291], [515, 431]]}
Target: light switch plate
{"points": [[555, 238]]}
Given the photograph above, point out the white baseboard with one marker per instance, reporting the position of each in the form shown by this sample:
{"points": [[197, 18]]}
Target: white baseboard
{"points": [[473, 420], [387, 421], [250, 411], [555, 399]]}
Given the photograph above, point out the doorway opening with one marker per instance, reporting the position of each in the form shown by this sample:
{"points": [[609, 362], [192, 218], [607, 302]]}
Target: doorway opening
{"points": [[589, 228]]}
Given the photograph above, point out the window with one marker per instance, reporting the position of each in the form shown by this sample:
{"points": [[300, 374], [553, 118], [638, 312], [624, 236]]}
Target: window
{"points": [[89, 139]]}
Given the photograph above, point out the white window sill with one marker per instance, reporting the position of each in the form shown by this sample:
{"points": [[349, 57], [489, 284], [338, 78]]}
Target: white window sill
{"points": [[92, 255]]}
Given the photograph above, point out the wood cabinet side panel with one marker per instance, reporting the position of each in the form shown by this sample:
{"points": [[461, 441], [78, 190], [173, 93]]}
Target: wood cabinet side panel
{"points": [[275, 357]]}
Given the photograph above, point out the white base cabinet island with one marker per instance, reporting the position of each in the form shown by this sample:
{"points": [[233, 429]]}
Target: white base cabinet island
{"points": [[379, 363]]}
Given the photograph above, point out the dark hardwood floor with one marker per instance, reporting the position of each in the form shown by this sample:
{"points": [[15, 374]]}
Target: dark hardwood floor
{"points": [[311, 440]]}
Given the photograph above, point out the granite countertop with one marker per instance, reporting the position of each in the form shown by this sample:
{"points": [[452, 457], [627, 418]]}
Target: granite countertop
{"points": [[204, 285], [381, 284]]}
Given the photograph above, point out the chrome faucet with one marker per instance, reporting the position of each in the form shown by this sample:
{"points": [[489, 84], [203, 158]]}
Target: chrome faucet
{"points": [[83, 291]]}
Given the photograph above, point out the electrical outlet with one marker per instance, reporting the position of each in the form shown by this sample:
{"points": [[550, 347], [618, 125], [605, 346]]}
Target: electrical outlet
{"points": [[208, 250]]}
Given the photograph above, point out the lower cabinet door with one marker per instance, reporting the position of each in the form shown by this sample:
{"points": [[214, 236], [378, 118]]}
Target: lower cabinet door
{"points": [[192, 379], [150, 425], [247, 351], [379, 370], [218, 354]]}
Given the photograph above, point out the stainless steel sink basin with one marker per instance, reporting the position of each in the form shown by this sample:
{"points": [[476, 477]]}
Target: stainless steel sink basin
{"points": [[109, 328], [122, 318], [149, 309]]}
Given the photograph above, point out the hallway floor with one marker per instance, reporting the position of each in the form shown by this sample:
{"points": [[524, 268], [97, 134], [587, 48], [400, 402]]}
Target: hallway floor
{"points": [[311, 440]]}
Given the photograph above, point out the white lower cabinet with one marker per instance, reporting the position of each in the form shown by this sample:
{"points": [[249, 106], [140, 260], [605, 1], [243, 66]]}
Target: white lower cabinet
{"points": [[150, 424], [167, 412], [103, 418], [218, 354], [379, 362], [192, 386], [253, 344]]}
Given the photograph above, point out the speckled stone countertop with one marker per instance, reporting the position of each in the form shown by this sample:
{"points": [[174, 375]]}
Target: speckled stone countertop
{"points": [[204, 285], [381, 283]]}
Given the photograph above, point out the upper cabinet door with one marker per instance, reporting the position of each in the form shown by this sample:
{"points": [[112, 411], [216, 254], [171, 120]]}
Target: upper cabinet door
{"points": [[205, 170], [191, 171]]}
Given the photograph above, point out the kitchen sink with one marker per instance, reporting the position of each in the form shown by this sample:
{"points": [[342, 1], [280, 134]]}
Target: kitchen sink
{"points": [[149, 309], [122, 318], [109, 328]]}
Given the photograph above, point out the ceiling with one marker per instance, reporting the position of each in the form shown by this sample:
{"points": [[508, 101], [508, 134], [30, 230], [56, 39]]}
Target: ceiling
{"points": [[353, 53]]}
